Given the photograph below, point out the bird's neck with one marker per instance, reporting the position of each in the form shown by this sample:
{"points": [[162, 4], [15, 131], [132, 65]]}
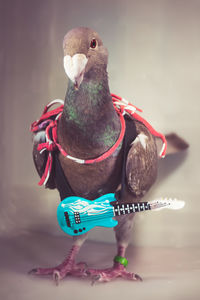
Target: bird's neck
{"points": [[89, 125]]}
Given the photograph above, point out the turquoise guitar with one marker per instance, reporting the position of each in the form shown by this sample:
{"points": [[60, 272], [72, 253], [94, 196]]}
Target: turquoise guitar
{"points": [[77, 215]]}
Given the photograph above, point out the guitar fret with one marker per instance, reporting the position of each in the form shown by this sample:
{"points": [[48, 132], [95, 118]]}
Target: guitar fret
{"points": [[127, 208], [118, 210]]}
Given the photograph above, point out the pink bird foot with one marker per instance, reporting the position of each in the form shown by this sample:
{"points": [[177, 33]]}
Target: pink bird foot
{"points": [[61, 271], [105, 275], [67, 267]]}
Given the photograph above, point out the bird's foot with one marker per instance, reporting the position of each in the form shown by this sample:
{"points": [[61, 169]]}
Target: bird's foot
{"points": [[105, 275], [67, 267], [61, 271]]}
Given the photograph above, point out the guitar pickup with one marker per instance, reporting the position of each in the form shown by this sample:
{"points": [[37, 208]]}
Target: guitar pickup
{"points": [[67, 219]]}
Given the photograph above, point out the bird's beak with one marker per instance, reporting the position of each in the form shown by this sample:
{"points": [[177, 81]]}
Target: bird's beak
{"points": [[75, 68]]}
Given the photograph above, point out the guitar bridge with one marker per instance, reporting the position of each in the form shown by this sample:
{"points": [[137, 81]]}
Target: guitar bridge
{"points": [[77, 217]]}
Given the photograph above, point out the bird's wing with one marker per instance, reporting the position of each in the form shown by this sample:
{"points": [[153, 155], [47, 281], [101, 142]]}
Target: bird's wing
{"points": [[141, 165], [40, 159]]}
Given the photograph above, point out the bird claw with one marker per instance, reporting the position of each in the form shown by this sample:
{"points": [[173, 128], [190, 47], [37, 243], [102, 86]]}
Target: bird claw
{"points": [[81, 270], [61, 271], [81, 266], [138, 278], [33, 272], [95, 278], [111, 273], [56, 277]]}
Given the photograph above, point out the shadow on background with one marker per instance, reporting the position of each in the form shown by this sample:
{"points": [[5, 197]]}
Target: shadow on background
{"points": [[169, 164]]}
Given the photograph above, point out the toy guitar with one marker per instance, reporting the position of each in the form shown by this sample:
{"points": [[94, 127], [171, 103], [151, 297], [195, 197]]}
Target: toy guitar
{"points": [[77, 215]]}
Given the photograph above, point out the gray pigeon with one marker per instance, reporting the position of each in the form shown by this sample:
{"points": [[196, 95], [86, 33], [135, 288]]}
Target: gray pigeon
{"points": [[89, 126]]}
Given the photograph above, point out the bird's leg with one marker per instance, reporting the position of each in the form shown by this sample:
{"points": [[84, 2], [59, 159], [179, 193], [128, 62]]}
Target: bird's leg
{"points": [[123, 231], [117, 270], [68, 266]]}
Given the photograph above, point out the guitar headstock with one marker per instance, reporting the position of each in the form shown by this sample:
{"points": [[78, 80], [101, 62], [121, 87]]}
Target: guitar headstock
{"points": [[166, 203]]}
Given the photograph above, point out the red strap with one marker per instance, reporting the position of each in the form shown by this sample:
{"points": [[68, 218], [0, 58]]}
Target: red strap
{"points": [[154, 132], [121, 105], [140, 119], [46, 117], [115, 97], [47, 170], [114, 147]]}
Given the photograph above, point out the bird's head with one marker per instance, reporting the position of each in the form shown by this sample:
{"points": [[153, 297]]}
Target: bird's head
{"points": [[84, 54]]}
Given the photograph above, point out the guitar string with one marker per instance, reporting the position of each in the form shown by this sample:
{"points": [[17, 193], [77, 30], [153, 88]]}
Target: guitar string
{"points": [[91, 218]]}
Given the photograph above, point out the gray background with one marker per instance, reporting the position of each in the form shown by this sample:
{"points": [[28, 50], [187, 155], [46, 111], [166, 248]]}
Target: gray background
{"points": [[154, 62]]}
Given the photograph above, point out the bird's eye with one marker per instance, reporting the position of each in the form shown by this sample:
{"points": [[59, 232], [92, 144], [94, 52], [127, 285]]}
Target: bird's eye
{"points": [[93, 44]]}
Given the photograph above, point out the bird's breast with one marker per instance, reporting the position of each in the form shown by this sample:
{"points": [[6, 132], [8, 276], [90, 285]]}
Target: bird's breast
{"points": [[93, 180]]}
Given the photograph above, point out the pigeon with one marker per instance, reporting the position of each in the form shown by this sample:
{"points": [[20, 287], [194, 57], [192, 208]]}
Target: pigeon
{"points": [[88, 127]]}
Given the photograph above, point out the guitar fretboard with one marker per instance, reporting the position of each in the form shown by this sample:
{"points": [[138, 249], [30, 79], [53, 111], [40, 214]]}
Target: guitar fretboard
{"points": [[128, 208]]}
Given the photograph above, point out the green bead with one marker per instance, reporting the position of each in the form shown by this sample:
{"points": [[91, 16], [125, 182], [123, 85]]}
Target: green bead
{"points": [[122, 260]]}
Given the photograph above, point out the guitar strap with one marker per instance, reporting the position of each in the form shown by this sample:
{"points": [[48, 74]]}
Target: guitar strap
{"points": [[129, 137], [61, 181], [62, 184]]}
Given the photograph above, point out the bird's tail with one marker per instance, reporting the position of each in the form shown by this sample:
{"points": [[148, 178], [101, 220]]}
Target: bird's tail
{"points": [[175, 144]]}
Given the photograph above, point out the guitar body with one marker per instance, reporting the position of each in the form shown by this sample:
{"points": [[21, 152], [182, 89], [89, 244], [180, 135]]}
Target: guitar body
{"points": [[77, 215]]}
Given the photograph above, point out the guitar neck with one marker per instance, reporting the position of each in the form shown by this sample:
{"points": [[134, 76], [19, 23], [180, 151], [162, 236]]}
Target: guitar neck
{"points": [[128, 208]]}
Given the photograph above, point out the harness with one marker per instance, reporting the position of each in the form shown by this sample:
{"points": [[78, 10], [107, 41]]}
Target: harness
{"points": [[49, 120]]}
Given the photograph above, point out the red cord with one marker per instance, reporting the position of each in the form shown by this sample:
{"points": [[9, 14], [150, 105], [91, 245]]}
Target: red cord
{"points": [[45, 122]]}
